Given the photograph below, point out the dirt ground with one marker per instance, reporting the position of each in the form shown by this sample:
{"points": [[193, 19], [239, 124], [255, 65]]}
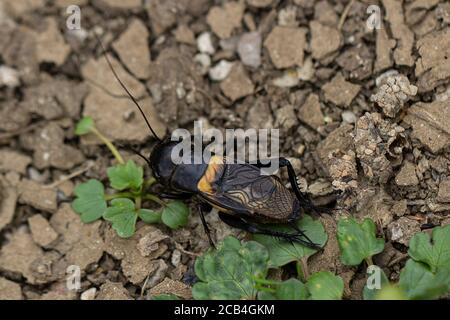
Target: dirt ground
{"points": [[363, 113]]}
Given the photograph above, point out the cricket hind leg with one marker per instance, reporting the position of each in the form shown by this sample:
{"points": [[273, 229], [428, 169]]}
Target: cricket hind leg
{"points": [[303, 198], [239, 223], [202, 207]]}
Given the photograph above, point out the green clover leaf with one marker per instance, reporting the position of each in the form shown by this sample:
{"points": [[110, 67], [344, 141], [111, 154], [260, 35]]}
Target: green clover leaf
{"points": [[90, 202], [325, 285], [149, 216], [175, 214], [84, 126], [282, 252], [126, 176], [389, 292], [291, 289], [418, 282], [230, 271], [357, 241], [123, 216], [434, 252]]}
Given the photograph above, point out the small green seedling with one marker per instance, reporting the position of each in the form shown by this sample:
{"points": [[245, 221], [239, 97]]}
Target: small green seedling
{"points": [[390, 292], [238, 271], [283, 252], [130, 191], [322, 285], [426, 274], [434, 252], [230, 271], [358, 241], [291, 289]]}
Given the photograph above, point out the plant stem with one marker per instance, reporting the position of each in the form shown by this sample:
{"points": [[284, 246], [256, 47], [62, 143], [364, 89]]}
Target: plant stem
{"points": [[138, 202], [154, 198], [119, 195], [302, 269], [369, 261], [344, 14], [266, 281], [265, 289], [109, 144], [149, 182]]}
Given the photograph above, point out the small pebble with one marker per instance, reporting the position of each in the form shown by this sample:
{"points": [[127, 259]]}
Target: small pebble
{"points": [[80, 35], [249, 49], [348, 116], [287, 17], [306, 72], [181, 92], [382, 77], [35, 175], [300, 149], [176, 258], [288, 80], [89, 294], [204, 62], [229, 44], [156, 93], [204, 43], [220, 71], [9, 77]]}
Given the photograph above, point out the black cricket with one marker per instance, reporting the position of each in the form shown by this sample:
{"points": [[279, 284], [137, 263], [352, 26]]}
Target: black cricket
{"points": [[244, 198]]}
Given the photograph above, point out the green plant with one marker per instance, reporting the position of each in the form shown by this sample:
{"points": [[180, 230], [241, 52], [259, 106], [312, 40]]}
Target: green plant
{"points": [[358, 241], [230, 271], [324, 285], [238, 271], [283, 252], [426, 274], [291, 289], [130, 191]]}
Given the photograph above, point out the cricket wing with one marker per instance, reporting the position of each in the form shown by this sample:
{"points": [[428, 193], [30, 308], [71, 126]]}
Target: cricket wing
{"points": [[243, 190]]}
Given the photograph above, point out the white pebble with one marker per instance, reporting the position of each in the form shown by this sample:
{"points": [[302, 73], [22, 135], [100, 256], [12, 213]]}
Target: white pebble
{"points": [[306, 72], [89, 294], [249, 49], [156, 93], [181, 92], [288, 80], [220, 71], [443, 96], [204, 62], [382, 77], [176, 258], [35, 175], [204, 43], [348, 116], [287, 17], [9, 77], [79, 34]]}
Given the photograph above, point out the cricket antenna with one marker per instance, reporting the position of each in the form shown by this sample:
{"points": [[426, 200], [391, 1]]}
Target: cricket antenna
{"points": [[125, 88]]}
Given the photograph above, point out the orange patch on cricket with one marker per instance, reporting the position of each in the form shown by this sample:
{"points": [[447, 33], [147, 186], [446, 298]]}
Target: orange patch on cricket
{"points": [[214, 165]]}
